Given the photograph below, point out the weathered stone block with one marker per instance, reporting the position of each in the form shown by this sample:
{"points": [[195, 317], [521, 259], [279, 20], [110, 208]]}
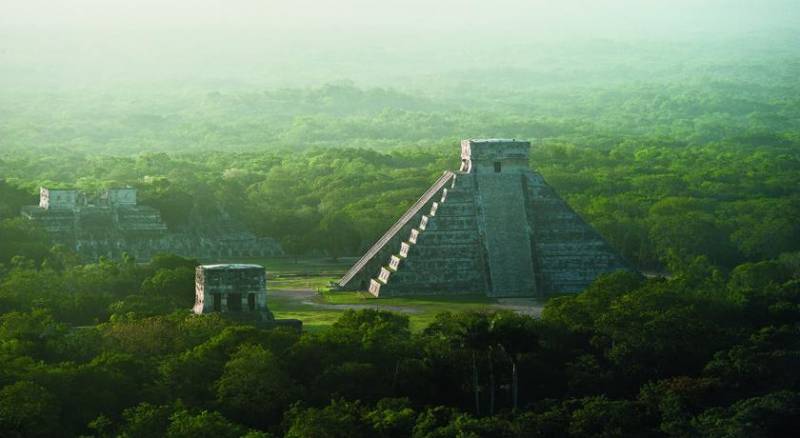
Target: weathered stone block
{"points": [[231, 288]]}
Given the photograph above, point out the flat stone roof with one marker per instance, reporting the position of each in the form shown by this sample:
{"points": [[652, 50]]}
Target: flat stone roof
{"points": [[230, 266], [496, 140]]}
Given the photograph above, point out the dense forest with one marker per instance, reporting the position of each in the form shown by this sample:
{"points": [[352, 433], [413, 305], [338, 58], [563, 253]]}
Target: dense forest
{"points": [[109, 349], [710, 173], [689, 168]]}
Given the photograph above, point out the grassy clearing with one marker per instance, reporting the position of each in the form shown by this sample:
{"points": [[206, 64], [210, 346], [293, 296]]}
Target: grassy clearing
{"points": [[420, 310], [359, 297], [318, 311], [312, 273], [314, 320], [301, 282], [304, 294], [293, 306]]}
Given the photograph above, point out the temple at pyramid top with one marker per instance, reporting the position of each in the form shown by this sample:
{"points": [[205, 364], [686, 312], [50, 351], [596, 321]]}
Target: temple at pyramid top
{"points": [[494, 155], [494, 227]]}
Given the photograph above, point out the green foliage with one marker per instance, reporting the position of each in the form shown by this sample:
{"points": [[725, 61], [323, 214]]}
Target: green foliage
{"points": [[20, 238], [206, 424], [145, 420], [693, 171], [176, 285], [600, 417], [340, 419], [774, 414], [28, 410], [693, 153], [254, 389], [391, 418], [339, 235]]}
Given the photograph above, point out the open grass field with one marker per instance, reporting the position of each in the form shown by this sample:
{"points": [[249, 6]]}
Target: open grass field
{"points": [[300, 289]]}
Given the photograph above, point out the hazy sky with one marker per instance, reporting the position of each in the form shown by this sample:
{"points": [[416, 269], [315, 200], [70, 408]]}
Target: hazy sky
{"points": [[100, 39], [545, 15]]}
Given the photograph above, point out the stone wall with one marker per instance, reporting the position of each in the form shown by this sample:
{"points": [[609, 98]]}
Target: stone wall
{"points": [[113, 225], [569, 253], [186, 245]]}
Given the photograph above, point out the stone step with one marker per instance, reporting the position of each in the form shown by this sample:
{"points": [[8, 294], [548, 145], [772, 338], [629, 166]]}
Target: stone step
{"points": [[405, 248], [423, 223], [408, 274], [456, 210], [430, 288], [444, 196], [412, 238], [460, 194], [394, 262], [442, 237], [375, 287], [467, 222], [456, 250], [384, 275]]}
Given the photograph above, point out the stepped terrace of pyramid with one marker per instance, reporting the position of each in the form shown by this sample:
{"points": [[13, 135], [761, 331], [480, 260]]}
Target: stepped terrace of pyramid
{"points": [[494, 227]]}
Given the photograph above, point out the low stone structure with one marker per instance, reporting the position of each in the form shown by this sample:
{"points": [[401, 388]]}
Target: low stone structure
{"points": [[70, 216], [231, 288], [57, 199], [114, 223], [494, 227]]}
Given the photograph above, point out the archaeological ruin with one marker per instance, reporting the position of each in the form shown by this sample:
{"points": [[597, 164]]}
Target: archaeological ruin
{"points": [[494, 227], [113, 223], [231, 288]]}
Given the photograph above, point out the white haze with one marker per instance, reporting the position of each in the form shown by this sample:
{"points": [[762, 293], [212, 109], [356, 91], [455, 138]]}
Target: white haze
{"points": [[80, 43]]}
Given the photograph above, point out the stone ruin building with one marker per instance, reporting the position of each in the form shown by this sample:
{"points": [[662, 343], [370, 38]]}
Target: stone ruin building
{"points": [[231, 288], [494, 227], [237, 291], [114, 223]]}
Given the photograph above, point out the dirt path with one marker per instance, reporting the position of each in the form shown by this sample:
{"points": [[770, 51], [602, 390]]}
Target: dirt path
{"points": [[307, 297], [524, 306], [376, 306], [295, 294]]}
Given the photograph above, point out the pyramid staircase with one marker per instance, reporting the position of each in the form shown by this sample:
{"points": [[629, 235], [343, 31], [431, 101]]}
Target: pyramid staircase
{"points": [[441, 254], [381, 250]]}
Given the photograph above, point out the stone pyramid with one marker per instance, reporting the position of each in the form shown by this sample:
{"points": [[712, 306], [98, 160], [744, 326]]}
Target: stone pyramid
{"points": [[494, 227]]}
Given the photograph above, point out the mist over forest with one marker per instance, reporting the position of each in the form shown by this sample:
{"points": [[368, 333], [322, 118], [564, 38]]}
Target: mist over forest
{"points": [[89, 43], [672, 128]]}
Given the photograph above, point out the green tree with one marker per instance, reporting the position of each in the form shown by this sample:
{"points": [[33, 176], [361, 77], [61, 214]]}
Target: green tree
{"points": [[145, 420], [338, 235], [175, 284], [773, 414], [28, 410], [339, 419], [254, 389], [206, 424]]}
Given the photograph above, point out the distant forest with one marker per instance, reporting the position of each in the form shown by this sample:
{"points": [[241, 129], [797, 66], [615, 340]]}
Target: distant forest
{"points": [[703, 163], [690, 168]]}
